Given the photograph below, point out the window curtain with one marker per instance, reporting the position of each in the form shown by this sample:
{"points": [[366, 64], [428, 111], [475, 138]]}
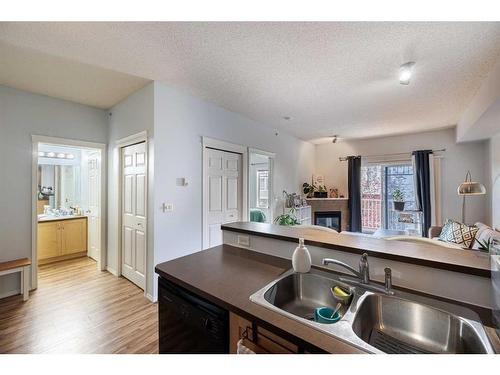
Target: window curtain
{"points": [[435, 175], [354, 187], [422, 180]]}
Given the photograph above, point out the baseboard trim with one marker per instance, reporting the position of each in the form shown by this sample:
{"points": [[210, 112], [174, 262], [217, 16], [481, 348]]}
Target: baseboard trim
{"points": [[80, 254], [10, 293], [112, 271]]}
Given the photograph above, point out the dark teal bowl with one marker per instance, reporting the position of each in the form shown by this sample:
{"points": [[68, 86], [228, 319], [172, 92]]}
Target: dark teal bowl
{"points": [[324, 315]]}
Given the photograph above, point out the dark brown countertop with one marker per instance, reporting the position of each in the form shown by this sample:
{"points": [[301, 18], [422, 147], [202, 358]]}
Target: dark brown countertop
{"points": [[464, 261], [227, 276]]}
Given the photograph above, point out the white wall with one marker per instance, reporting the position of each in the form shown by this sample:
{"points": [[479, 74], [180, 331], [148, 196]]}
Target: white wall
{"points": [[457, 159], [131, 116], [180, 122], [480, 119], [21, 115]]}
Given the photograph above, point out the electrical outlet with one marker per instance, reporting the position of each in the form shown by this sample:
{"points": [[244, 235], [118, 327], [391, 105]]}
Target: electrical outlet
{"points": [[244, 240]]}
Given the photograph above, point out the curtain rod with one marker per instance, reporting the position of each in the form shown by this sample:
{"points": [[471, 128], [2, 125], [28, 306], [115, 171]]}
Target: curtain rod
{"points": [[394, 154]]}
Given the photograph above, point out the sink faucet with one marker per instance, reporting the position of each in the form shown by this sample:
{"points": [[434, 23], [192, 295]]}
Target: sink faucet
{"points": [[364, 270], [363, 274]]}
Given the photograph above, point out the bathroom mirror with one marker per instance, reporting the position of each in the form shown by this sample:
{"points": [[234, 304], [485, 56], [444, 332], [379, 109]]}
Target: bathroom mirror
{"points": [[58, 186]]}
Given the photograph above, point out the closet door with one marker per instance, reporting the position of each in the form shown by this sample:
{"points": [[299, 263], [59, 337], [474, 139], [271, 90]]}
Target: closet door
{"points": [[223, 193]]}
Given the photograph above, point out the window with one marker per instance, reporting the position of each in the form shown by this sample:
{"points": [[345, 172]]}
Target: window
{"points": [[378, 183], [262, 189], [371, 197]]}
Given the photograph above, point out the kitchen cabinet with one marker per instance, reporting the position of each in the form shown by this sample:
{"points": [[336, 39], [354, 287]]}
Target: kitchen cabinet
{"points": [[61, 239], [257, 338]]}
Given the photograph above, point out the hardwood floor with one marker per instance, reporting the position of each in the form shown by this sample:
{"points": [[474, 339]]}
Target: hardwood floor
{"points": [[77, 309]]}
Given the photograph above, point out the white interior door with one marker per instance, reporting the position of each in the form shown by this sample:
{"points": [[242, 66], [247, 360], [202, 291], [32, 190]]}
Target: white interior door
{"points": [[94, 209], [223, 193], [134, 204]]}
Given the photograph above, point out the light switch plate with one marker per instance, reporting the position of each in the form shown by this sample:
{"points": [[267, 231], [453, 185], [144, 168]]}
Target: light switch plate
{"points": [[167, 207]]}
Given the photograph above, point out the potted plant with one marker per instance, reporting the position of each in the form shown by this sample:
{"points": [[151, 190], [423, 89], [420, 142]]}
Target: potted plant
{"points": [[308, 189], [321, 193], [485, 245], [287, 219], [398, 200]]}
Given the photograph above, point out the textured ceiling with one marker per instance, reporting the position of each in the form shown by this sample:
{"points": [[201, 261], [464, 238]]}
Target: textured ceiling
{"points": [[331, 78], [41, 73]]}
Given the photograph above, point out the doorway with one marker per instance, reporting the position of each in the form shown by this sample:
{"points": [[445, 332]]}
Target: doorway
{"points": [[260, 186], [68, 197]]}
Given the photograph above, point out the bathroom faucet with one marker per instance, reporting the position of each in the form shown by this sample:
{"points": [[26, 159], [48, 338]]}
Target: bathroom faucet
{"points": [[364, 270]]}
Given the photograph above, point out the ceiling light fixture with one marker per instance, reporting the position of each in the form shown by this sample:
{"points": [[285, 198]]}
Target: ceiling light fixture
{"points": [[286, 118], [50, 154], [61, 156], [70, 156], [405, 72]]}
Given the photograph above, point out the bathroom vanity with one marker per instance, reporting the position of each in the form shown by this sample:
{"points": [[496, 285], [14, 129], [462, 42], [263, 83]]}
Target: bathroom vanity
{"points": [[61, 237]]}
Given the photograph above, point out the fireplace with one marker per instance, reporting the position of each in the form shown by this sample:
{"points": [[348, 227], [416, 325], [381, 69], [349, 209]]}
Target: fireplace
{"points": [[329, 219]]}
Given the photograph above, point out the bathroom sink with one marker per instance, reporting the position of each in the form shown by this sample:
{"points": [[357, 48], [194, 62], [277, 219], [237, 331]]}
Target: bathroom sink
{"points": [[300, 294], [395, 325], [375, 322]]}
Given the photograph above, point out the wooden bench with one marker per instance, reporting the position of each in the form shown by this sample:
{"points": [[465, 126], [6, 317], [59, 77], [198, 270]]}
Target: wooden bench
{"points": [[22, 266]]}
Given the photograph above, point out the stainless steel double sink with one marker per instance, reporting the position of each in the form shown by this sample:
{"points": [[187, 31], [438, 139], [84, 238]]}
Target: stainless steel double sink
{"points": [[373, 322]]}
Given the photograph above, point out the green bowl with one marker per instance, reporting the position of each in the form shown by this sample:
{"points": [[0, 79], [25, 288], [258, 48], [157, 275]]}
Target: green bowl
{"points": [[324, 315]]}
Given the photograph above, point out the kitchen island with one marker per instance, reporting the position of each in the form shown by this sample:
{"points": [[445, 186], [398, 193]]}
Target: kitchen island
{"points": [[459, 276], [227, 276]]}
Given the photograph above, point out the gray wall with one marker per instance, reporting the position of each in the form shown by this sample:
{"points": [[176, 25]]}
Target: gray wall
{"points": [[180, 122], [131, 116], [21, 115], [457, 159]]}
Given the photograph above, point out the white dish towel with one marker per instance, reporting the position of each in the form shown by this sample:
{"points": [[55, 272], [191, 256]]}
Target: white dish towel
{"points": [[242, 349]]}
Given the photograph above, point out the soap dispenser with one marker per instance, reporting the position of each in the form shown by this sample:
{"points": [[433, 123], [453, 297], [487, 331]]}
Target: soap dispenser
{"points": [[301, 259]]}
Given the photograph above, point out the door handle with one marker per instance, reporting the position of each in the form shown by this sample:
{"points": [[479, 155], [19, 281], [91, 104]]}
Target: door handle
{"points": [[139, 224]]}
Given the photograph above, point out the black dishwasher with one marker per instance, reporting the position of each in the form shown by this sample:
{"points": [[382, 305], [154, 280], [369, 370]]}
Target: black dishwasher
{"points": [[190, 324]]}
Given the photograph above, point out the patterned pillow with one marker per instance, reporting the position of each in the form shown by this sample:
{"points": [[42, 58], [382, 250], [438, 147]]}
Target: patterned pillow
{"points": [[458, 233]]}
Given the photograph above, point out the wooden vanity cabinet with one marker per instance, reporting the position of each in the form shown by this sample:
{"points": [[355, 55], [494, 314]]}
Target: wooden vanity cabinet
{"points": [[49, 240], [74, 236], [62, 239]]}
